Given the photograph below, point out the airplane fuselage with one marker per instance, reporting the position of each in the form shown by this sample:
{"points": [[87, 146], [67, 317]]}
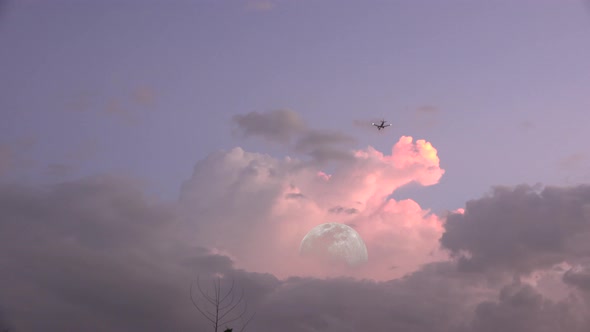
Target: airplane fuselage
{"points": [[381, 125]]}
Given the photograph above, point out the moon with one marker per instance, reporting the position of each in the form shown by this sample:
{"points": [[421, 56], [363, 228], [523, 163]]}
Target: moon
{"points": [[334, 242]]}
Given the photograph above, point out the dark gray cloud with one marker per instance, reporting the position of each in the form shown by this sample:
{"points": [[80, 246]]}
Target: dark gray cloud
{"points": [[294, 196], [340, 209], [84, 256], [324, 154], [279, 126], [521, 308], [521, 229], [99, 255], [344, 304], [327, 146], [578, 277], [286, 127], [314, 138]]}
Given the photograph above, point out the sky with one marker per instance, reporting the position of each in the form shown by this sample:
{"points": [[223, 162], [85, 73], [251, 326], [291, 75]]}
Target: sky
{"points": [[143, 143]]}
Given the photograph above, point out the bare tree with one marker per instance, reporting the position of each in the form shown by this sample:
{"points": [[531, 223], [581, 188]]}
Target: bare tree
{"points": [[223, 308]]}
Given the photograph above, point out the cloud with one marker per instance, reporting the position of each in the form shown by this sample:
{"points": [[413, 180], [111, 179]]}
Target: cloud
{"points": [[314, 138], [6, 158], [340, 209], [248, 198], [72, 160], [59, 170], [85, 255], [526, 125], [98, 254], [145, 96], [350, 305], [578, 276], [427, 109], [116, 107], [81, 102], [521, 229], [85, 151], [261, 5], [572, 162], [275, 126], [129, 108], [427, 116], [521, 308], [13, 155], [287, 128]]}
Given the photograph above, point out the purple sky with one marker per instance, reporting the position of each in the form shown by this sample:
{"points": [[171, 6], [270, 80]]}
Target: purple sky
{"points": [[149, 89], [508, 80]]}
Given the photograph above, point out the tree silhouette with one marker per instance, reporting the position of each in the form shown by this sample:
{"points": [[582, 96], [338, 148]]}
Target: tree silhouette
{"points": [[223, 309]]}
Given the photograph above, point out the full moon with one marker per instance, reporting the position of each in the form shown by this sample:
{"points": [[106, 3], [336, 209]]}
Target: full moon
{"points": [[334, 242]]}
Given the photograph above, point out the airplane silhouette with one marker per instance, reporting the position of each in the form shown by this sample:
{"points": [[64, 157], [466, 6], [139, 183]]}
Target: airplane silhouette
{"points": [[381, 125]]}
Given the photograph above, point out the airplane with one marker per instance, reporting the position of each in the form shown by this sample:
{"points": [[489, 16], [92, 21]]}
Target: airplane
{"points": [[381, 125]]}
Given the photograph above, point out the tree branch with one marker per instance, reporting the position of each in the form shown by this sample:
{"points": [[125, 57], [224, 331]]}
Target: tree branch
{"points": [[199, 309], [203, 293], [221, 309], [247, 322], [230, 290]]}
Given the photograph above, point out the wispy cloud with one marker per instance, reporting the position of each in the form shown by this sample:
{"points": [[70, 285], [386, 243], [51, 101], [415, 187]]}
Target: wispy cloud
{"points": [[427, 109], [145, 96], [261, 5], [427, 116], [14, 154], [59, 170], [526, 125], [129, 108], [573, 162]]}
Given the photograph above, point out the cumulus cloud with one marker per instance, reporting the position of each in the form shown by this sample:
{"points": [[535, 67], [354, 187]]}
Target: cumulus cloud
{"points": [[83, 256], [242, 202], [521, 229], [578, 276], [98, 254], [521, 308]]}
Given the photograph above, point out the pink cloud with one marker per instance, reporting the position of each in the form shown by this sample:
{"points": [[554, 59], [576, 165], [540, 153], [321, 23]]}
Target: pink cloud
{"points": [[258, 208]]}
